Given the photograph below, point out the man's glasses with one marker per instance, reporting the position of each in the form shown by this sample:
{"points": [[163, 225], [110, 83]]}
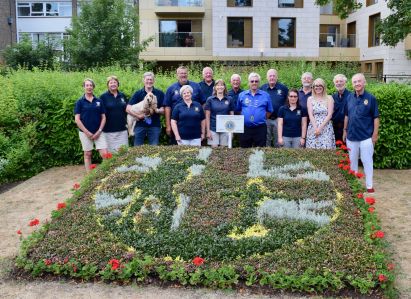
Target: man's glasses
{"points": [[254, 81]]}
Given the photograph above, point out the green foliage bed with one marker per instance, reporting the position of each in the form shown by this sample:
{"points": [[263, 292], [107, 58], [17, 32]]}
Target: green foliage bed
{"points": [[285, 219]]}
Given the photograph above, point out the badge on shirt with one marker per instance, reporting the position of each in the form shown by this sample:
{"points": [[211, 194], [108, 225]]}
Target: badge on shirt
{"points": [[298, 112], [252, 118], [226, 102], [176, 92], [196, 109], [122, 100], [365, 102], [279, 92], [98, 104], [247, 101]]}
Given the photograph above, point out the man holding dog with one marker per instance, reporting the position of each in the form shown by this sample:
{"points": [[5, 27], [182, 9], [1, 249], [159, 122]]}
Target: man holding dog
{"points": [[173, 97], [147, 126]]}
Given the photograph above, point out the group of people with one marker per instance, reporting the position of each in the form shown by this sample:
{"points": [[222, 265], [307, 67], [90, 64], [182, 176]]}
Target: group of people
{"points": [[274, 115]]}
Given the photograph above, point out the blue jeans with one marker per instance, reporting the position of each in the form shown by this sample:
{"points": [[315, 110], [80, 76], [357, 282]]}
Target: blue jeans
{"points": [[152, 133]]}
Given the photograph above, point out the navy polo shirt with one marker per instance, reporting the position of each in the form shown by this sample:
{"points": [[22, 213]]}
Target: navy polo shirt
{"points": [[339, 106], [138, 96], [361, 111], [278, 95], [292, 120], [234, 95], [206, 89], [90, 113], [188, 119], [116, 115], [218, 107], [254, 107], [172, 96], [302, 98]]}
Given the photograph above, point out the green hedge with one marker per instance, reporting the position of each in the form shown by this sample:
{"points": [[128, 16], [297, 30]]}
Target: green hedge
{"points": [[37, 128]]}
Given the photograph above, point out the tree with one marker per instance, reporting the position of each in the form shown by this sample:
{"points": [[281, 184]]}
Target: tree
{"points": [[393, 29], [105, 33], [25, 54]]}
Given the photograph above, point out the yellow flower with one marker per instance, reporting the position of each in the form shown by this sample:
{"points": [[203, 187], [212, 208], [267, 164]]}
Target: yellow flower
{"points": [[255, 231]]}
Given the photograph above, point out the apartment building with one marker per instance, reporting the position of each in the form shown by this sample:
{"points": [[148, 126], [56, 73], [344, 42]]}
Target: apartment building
{"points": [[231, 30]]}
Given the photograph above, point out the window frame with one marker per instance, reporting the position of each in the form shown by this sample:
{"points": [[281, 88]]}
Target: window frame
{"points": [[250, 38], [272, 40]]}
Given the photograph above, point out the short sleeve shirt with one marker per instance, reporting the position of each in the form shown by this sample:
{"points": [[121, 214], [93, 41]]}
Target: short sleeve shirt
{"points": [[340, 100], [235, 95], [292, 120], [172, 96], [90, 112], [206, 89], [361, 111], [254, 107], [188, 119], [278, 95], [303, 97], [218, 107], [138, 96], [116, 115]]}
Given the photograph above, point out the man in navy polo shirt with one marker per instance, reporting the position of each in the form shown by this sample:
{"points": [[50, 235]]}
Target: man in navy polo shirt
{"points": [[306, 90], [278, 94], [340, 100], [149, 127], [208, 82], [235, 90], [173, 97], [256, 107], [361, 125]]}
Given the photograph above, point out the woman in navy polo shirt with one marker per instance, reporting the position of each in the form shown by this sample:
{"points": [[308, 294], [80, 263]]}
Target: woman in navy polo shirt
{"points": [[115, 103], [217, 104], [292, 122], [188, 119], [89, 115]]}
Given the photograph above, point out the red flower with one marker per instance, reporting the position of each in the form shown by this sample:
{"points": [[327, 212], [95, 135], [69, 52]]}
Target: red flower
{"points": [[198, 261], [34, 222], [115, 264], [390, 266], [76, 186], [351, 172], [61, 205], [47, 262], [92, 166], [108, 155], [379, 234], [360, 195], [65, 261], [19, 232], [74, 267], [382, 278], [339, 142], [345, 155], [343, 147], [370, 200], [371, 209], [340, 166], [359, 175], [346, 167], [338, 153]]}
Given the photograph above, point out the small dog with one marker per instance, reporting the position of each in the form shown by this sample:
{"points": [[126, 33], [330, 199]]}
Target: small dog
{"points": [[148, 106]]}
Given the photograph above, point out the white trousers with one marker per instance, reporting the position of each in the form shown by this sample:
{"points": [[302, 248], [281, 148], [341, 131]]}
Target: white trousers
{"points": [[364, 148], [194, 142]]}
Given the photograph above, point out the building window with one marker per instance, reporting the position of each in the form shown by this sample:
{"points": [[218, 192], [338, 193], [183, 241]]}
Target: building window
{"points": [[371, 2], [291, 3], [44, 9], [182, 3], [239, 3], [327, 9], [330, 35], [373, 37], [239, 33], [283, 33], [56, 39], [180, 33]]}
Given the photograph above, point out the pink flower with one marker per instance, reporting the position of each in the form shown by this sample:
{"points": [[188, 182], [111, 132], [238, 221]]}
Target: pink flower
{"points": [[390, 266], [198, 261]]}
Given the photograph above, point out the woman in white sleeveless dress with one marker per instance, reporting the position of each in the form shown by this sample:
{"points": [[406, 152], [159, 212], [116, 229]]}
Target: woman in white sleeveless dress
{"points": [[320, 106]]}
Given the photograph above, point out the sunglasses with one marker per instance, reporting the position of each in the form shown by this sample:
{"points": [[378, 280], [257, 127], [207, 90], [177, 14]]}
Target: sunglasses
{"points": [[254, 81]]}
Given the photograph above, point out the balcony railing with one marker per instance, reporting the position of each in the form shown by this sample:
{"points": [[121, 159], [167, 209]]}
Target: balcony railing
{"points": [[182, 3], [179, 39], [331, 40]]}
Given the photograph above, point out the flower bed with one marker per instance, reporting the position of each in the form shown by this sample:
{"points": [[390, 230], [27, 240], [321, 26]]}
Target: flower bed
{"points": [[284, 219]]}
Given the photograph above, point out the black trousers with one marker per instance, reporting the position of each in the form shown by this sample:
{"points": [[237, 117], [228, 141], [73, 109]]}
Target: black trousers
{"points": [[338, 130], [254, 136]]}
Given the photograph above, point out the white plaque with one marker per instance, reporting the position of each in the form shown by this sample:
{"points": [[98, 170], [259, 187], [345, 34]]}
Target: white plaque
{"points": [[230, 123]]}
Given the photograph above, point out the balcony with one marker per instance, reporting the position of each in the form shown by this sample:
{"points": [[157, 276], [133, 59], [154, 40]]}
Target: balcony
{"points": [[337, 40], [179, 39], [166, 8]]}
